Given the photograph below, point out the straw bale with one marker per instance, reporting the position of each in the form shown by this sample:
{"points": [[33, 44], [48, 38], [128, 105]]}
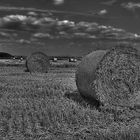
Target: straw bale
{"points": [[111, 77], [38, 62]]}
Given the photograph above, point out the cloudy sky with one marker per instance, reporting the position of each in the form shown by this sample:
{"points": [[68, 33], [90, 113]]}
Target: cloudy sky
{"points": [[33, 21], [119, 13]]}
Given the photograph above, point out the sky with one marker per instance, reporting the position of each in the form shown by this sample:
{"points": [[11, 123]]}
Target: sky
{"points": [[55, 23], [120, 13]]}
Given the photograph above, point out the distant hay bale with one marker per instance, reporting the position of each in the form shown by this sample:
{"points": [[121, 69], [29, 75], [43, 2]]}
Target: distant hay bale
{"points": [[112, 77], [38, 62]]}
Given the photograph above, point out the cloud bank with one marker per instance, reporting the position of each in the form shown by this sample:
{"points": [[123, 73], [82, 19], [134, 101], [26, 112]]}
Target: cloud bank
{"points": [[49, 27]]}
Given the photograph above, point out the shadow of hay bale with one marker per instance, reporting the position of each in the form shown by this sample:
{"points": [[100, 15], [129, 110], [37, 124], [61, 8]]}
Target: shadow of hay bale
{"points": [[76, 97], [26, 70]]}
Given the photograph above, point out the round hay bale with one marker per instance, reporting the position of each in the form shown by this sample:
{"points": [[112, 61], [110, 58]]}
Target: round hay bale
{"points": [[38, 62], [115, 78], [85, 74]]}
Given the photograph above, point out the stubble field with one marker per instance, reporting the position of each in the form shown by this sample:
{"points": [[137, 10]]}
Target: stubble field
{"points": [[49, 107]]}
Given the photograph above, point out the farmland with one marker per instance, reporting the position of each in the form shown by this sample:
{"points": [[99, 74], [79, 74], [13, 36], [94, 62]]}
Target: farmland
{"points": [[49, 107]]}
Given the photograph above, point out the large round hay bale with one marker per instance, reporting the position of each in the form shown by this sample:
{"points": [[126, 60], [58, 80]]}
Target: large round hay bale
{"points": [[85, 74], [38, 62], [115, 78]]}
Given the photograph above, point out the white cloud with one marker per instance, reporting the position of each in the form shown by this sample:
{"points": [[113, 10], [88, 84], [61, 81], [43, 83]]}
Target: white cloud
{"points": [[47, 27], [58, 2], [42, 35], [15, 17], [131, 5], [102, 12]]}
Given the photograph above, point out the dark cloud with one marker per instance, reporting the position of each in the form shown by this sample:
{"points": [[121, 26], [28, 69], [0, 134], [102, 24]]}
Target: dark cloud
{"points": [[42, 35], [5, 35], [32, 14], [17, 22], [81, 35], [109, 2], [131, 6], [47, 27], [99, 13], [23, 41], [34, 11]]}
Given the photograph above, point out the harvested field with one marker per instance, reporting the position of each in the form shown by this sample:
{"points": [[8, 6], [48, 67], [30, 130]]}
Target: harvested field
{"points": [[48, 106]]}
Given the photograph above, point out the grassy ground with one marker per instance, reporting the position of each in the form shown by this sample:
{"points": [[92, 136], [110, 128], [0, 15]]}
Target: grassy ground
{"points": [[48, 107]]}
